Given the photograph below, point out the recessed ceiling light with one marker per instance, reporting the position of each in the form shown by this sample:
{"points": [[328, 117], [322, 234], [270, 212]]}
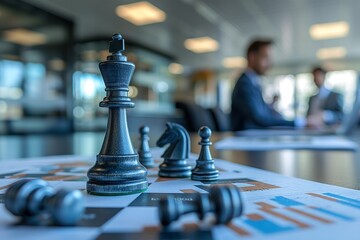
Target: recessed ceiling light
{"points": [[57, 64], [24, 37], [329, 53], [141, 13], [234, 62], [201, 45], [329, 30], [176, 68], [11, 57], [89, 55]]}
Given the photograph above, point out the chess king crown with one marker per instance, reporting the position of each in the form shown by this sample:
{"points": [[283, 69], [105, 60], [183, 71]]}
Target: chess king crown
{"points": [[117, 76]]}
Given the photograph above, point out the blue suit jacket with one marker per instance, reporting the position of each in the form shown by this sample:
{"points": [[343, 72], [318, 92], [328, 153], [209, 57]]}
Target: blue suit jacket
{"points": [[249, 110]]}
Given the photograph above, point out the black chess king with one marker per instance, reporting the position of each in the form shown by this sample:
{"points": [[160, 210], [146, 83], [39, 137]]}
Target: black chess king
{"points": [[117, 170]]}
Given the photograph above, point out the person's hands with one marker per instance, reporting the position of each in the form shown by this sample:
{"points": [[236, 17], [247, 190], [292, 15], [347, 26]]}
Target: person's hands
{"points": [[316, 120]]}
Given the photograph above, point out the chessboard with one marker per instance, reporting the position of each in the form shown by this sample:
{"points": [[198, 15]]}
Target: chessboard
{"points": [[275, 206]]}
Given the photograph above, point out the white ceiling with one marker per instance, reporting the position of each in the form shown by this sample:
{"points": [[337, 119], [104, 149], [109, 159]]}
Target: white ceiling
{"points": [[231, 22]]}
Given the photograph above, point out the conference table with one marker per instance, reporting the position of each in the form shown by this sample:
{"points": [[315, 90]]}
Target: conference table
{"points": [[341, 168], [275, 206]]}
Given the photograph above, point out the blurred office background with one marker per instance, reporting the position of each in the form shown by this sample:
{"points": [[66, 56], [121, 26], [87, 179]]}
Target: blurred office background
{"points": [[188, 51]]}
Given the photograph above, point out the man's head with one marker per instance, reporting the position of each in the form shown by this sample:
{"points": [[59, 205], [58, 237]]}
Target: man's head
{"points": [[319, 76], [259, 55]]}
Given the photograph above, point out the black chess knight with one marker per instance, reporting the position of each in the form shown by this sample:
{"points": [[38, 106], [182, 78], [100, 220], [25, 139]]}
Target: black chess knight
{"points": [[117, 170], [175, 156]]}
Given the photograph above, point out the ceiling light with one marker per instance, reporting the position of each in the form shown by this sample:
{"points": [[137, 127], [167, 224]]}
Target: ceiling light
{"points": [[57, 64], [24, 37], [329, 30], [11, 57], [329, 53], [89, 55], [234, 62], [201, 45], [141, 13], [176, 68], [133, 91]]}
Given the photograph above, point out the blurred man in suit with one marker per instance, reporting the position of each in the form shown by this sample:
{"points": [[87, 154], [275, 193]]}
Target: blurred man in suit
{"points": [[325, 107], [248, 108]]}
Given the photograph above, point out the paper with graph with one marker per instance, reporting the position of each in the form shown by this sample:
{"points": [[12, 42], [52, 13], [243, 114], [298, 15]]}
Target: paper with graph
{"points": [[275, 206], [257, 143]]}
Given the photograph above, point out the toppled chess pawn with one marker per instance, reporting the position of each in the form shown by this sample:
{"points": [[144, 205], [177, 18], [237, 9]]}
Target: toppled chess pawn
{"points": [[205, 169], [145, 156], [32, 198], [224, 202]]}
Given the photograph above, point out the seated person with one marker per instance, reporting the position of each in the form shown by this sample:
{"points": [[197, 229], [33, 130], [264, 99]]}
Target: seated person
{"points": [[325, 107], [248, 108]]}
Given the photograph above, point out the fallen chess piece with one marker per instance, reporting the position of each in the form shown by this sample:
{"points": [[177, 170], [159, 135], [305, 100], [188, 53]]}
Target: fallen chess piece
{"points": [[205, 169], [32, 199], [224, 202]]}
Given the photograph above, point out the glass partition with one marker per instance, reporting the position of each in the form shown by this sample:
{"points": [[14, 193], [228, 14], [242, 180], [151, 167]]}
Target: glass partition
{"points": [[35, 65]]}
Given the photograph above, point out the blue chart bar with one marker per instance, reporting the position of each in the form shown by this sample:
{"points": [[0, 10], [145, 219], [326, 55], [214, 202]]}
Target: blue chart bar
{"points": [[266, 226], [352, 200], [337, 199], [334, 214], [287, 202]]}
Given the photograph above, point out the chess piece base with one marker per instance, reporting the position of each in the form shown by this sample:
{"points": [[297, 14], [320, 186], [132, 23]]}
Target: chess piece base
{"points": [[147, 162], [116, 189], [116, 175], [204, 176], [204, 171], [171, 170], [146, 159]]}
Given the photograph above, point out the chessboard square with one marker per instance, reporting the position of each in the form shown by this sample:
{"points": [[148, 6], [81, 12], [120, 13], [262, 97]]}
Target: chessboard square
{"points": [[193, 235], [152, 199], [151, 178], [46, 233], [245, 184], [76, 185], [109, 201], [96, 217], [134, 219], [129, 235], [178, 235], [166, 185]]}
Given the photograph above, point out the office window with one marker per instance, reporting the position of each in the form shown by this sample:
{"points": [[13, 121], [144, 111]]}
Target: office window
{"points": [[34, 80], [279, 91], [343, 82], [305, 88]]}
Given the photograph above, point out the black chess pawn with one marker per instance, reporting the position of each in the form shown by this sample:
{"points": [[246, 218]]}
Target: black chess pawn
{"points": [[205, 169], [117, 170], [145, 156], [32, 198], [224, 202]]}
